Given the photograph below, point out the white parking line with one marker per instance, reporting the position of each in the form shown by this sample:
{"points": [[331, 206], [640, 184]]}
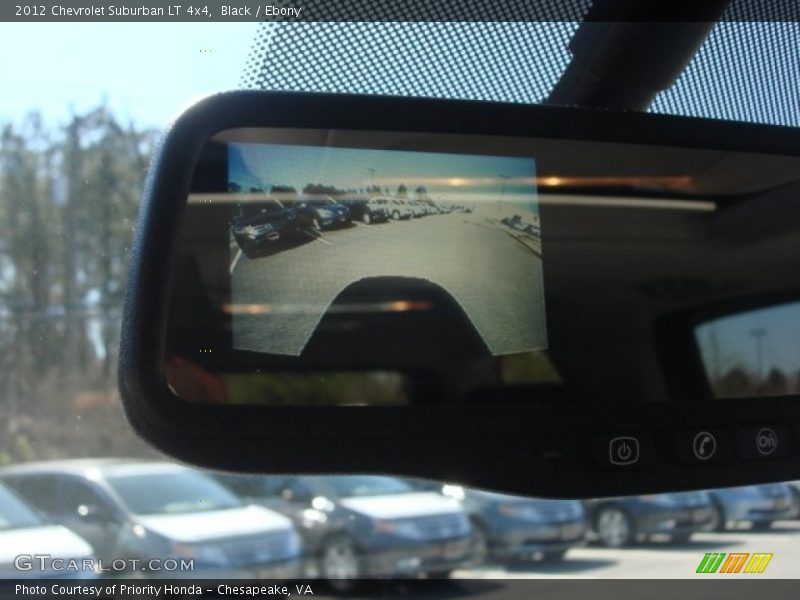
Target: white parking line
{"points": [[318, 238], [235, 261]]}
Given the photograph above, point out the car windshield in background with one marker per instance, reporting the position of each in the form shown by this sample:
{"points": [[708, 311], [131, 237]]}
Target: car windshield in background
{"points": [[257, 208], [317, 201], [364, 485], [14, 514], [171, 492]]}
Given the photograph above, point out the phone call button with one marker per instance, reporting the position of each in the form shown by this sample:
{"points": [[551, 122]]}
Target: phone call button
{"points": [[704, 445]]}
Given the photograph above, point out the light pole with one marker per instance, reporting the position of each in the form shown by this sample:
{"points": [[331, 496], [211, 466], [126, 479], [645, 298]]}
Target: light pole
{"points": [[505, 179], [759, 333]]}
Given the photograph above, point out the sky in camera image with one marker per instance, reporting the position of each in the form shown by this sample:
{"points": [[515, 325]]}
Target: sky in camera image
{"points": [[496, 181]]}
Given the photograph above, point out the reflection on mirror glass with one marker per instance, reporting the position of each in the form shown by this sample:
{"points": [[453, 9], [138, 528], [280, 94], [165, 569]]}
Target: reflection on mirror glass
{"points": [[753, 353], [321, 388]]}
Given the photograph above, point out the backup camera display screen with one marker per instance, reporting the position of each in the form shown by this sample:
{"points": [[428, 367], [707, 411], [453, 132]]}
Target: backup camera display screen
{"points": [[321, 230]]}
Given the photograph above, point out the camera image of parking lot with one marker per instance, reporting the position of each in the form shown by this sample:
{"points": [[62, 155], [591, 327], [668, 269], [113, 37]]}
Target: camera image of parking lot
{"points": [[311, 221]]}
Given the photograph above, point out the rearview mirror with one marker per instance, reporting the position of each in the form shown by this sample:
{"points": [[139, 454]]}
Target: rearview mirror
{"points": [[503, 296]]}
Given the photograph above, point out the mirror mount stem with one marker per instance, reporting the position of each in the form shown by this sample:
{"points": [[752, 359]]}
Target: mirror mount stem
{"points": [[624, 65]]}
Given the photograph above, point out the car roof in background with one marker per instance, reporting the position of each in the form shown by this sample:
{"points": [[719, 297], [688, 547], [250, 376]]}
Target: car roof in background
{"points": [[90, 466]]}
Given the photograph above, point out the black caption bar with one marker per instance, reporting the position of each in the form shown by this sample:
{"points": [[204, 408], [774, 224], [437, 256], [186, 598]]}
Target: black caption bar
{"points": [[408, 589], [72, 589], [398, 10]]}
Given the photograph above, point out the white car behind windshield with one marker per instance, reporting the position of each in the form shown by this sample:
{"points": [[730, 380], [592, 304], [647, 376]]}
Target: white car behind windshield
{"points": [[24, 536]]}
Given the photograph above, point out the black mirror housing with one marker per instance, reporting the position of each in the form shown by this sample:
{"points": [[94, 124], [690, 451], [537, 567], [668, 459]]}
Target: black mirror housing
{"points": [[522, 444]]}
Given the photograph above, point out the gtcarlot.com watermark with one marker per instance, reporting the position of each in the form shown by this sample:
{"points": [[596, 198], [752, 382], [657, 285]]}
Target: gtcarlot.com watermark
{"points": [[56, 565]]}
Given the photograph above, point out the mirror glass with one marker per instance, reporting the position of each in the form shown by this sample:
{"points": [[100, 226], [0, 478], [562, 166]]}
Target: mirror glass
{"points": [[753, 352], [340, 267]]}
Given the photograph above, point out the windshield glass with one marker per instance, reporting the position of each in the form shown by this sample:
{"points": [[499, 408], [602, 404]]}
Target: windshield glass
{"points": [[170, 493], [13, 513], [81, 113]]}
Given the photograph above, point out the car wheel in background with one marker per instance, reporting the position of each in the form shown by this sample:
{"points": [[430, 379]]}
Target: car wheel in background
{"points": [[795, 501], [479, 545], [718, 521], [439, 574], [552, 556], [366, 218], [681, 538], [249, 251], [316, 226], [396, 215], [761, 525], [614, 527], [340, 565]]}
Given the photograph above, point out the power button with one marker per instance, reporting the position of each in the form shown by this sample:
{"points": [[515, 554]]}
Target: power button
{"points": [[623, 451], [620, 451]]}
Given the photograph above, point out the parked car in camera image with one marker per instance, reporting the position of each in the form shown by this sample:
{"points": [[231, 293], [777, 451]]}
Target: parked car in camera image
{"points": [[415, 212], [759, 505], [357, 526], [153, 510], [617, 522], [366, 209], [417, 208], [262, 223], [319, 211], [514, 222], [24, 532], [398, 209], [511, 528], [385, 203], [517, 223]]}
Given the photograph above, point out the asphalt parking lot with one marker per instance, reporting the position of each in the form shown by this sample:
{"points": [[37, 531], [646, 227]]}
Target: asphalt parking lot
{"points": [[659, 559], [654, 560], [495, 277]]}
